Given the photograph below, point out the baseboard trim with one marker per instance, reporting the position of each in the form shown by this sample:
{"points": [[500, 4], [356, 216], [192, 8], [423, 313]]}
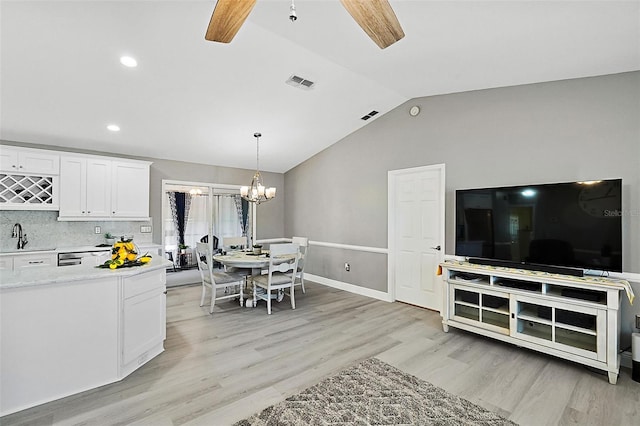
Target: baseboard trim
{"points": [[351, 288]]}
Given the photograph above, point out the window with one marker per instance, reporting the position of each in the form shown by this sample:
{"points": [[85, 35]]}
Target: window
{"points": [[191, 211]]}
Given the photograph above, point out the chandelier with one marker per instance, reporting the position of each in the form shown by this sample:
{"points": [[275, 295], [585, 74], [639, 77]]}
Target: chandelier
{"points": [[256, 192]]}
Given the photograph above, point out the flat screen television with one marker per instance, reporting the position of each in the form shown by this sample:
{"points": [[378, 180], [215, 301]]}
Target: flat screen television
{"points": [[565, 227]]}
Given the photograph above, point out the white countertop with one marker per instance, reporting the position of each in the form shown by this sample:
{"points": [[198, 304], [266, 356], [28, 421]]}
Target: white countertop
{"points": [[56, 250], [29, 277]]}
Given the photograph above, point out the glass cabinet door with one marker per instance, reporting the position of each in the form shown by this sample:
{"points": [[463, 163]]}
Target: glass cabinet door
{"points": [[577, 329], [482, 308]]}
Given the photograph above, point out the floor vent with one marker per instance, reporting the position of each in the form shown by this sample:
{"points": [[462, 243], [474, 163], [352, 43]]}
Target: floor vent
{"points": [[302, 83], [368, 116]]}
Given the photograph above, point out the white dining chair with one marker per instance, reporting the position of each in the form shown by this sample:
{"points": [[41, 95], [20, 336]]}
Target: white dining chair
{"points": [[283, 262], [303, 242], [239, 242], [231, 283]]}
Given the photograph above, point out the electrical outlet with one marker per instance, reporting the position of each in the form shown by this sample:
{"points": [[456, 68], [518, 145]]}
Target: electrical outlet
{"points": [[347, 267], [97, 230], [145, 229], [637, 321]]}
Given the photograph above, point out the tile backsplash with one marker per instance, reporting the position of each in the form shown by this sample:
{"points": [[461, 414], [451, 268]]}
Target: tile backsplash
{"points": [[45, 232]]}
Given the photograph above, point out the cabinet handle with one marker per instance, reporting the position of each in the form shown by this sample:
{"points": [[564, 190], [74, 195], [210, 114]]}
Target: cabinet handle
{"points": [[89, 212], [14, 166], [513, 315], [19, 167], [35, 262]]}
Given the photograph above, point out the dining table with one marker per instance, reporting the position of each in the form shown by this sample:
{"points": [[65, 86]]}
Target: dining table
{"points": [[253, 262], [244, 260]]}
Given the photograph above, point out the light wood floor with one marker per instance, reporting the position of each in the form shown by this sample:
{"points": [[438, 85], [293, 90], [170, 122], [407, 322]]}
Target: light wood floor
{"points": [[220, 368]]}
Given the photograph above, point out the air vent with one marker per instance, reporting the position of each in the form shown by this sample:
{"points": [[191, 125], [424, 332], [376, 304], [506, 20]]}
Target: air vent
{"points": [[300, 82], [368, 116]]}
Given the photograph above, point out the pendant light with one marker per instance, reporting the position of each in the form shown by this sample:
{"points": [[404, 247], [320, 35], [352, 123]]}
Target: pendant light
{"points": [[256, 192]]}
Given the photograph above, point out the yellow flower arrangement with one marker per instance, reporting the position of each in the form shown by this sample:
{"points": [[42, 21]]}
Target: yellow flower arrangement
{"points": [[124, 254]]}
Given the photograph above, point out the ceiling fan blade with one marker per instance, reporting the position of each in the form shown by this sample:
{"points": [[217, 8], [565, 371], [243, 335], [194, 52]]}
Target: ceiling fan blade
{"points": [[227, 18], [377, 19]]}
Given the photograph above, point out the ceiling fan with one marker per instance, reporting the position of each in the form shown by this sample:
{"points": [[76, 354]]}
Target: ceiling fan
{"points": [[375, 17]]}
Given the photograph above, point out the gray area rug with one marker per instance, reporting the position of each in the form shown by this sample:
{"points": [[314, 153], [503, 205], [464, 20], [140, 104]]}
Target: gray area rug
{"points": [[374, 393]]}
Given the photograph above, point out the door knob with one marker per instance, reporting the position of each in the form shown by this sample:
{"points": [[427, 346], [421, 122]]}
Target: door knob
{"points": [[437, 248]]}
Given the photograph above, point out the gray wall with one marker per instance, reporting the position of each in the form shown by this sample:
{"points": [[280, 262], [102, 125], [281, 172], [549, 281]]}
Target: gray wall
{"points": [[541, 133], [270, 215]]}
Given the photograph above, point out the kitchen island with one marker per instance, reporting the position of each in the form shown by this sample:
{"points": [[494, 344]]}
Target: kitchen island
{"points": [[65, 330]]}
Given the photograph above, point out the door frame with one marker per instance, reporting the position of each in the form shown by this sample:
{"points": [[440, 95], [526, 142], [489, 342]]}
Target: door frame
{"points": [[212, 188], [392, 176]]}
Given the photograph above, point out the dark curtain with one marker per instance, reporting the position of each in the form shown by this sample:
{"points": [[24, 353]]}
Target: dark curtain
{"points": [[180, 209], [245, 216]]}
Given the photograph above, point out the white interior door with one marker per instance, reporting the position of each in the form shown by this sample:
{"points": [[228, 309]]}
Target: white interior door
{"points": [[416, 235]]}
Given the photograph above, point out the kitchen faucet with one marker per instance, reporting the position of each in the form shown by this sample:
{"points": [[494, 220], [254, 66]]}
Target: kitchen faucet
{"points": [[17, 233]]}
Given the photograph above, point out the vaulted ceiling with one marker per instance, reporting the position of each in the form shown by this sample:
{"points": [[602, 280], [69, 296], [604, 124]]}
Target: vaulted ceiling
{"points": [[194, 100]]}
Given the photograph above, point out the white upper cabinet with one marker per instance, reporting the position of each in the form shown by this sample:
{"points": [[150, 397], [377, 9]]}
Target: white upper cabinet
{"points": [[85, 187], [73, 186], [94, 188], [24, 160], [81, 187], [28, 179], [130, 189], [99, 175]]}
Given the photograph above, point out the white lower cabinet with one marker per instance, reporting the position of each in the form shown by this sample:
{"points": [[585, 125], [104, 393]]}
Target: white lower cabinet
{"points": [[15, 262], [572, 318], [57, 340], [61, 338], [6, 263], [143, 320]]}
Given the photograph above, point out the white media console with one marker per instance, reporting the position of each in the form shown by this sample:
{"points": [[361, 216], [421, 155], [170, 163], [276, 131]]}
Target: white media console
{"points": [[574, 318]]}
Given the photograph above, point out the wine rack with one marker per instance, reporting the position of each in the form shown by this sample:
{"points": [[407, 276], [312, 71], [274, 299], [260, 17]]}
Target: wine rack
{"points": [[27, 192]]}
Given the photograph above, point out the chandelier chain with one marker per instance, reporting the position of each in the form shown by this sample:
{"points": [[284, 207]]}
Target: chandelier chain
{"points": [[257, 153]]}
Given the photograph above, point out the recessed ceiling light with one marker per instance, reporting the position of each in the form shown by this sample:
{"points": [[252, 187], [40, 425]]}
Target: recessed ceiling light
{"points": [[113, 127], [128, 61]]}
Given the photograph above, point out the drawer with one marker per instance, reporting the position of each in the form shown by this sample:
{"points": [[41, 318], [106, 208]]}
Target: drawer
{"points": [[34, 261], [142, 283]]}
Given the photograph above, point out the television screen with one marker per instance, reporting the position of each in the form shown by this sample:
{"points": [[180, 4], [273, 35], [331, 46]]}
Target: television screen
{"points": [[574, 224]]}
